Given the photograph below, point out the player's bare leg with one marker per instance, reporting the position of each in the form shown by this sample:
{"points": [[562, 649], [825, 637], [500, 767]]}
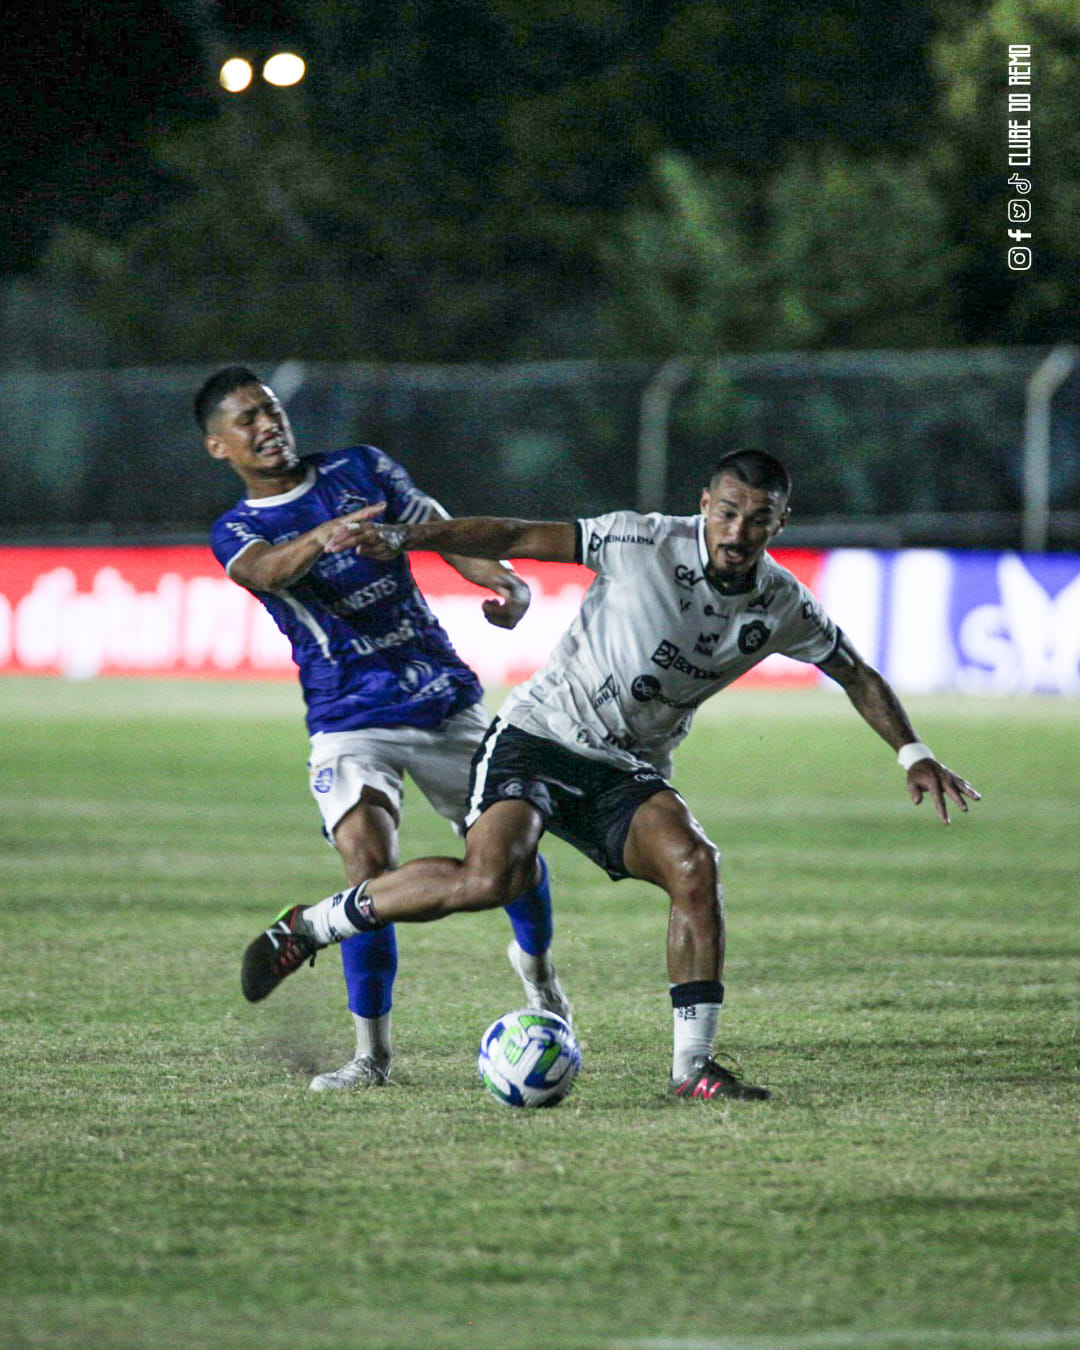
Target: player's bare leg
{"points": [[668, 847], [500, 861]]}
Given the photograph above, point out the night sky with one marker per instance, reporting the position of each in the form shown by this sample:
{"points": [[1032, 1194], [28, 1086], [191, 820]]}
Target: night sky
{"points": [[86, 88]]}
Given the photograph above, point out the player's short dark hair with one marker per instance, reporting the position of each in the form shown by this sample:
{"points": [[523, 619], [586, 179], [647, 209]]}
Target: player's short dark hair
{"points": [[218, 388], [756, 469]]}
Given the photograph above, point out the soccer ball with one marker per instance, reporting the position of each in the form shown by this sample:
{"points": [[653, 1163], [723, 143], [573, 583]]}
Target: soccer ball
{"points": [[529, 1058]]}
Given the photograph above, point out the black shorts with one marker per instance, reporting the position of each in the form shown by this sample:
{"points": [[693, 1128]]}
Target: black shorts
{"points": [[588, 803]]}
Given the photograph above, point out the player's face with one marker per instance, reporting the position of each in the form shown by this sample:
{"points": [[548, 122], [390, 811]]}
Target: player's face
{"points": [[251, 430], [739, 523]]}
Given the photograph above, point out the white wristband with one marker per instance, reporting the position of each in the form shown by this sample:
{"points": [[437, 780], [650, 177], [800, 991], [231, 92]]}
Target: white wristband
{"points": [[911, 754]]}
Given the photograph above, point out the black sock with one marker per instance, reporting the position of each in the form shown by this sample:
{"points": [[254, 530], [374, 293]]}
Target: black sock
{"points": [[696, 991]]}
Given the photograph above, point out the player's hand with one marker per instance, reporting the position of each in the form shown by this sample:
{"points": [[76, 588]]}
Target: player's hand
{"points": [[347, 530], [928, 776], [513, 600]]}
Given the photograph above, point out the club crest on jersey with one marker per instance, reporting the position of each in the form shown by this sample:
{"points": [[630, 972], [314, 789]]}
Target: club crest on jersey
{"points": [[350, 501], [324, 779], [752, 637]]}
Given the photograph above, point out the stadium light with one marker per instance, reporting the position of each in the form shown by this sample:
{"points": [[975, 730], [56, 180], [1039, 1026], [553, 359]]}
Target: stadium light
{"points": [[235, 75], [283, 69]]}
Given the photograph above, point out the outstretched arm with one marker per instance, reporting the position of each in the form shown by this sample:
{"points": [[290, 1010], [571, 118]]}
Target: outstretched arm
{"points": [[472, 536], [876, 702]]}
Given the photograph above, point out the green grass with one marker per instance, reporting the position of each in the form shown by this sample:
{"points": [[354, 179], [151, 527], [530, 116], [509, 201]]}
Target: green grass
{"points": [[908, 991]]}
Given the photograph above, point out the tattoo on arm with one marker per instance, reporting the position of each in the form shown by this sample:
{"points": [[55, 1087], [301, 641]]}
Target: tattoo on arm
{"points": [[871, 695]]}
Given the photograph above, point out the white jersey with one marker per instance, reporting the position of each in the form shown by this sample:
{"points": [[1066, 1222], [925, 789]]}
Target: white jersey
{"points": [[654, 639]]}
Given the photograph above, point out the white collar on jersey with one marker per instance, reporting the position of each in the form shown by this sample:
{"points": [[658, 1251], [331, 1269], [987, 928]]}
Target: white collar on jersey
{"points": [[283, 498]]}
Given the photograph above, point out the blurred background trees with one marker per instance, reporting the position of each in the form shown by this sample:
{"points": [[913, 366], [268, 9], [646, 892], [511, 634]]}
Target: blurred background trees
{"points": [[488, 180]]}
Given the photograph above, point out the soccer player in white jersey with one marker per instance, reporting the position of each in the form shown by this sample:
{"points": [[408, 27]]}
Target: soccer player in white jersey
{"points": [[681, 606], [385, 692]]}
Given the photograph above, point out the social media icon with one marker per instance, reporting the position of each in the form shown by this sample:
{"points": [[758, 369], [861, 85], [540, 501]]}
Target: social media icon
{"points": [[1019, 259], [1020, 184], [1019, 209]]}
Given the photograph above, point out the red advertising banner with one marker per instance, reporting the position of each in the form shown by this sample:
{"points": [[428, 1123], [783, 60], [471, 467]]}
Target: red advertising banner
{"points": [[85, 612]]}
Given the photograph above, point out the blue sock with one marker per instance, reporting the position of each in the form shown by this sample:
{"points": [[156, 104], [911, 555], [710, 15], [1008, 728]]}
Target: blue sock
{"points": [[530, 916], [370, 961]]}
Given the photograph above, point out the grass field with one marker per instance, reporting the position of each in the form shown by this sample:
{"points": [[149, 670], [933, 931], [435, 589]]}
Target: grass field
{"points": [[909, 992]]}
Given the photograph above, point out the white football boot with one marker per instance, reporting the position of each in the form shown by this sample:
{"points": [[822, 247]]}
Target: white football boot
{"points": [[363, 1071], [546, 995]]}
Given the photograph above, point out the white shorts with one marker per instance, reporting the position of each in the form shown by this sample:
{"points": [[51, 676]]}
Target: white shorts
{"points": [[437, 759]]}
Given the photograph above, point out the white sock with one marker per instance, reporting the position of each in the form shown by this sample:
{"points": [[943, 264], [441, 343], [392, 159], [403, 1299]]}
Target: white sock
{"points": [[695, 1031], [536, 968], [373, 1038], [328, 921]]}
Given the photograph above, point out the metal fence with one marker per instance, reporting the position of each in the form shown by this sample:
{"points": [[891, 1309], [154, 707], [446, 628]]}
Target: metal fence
{"points": [[885, 448]]}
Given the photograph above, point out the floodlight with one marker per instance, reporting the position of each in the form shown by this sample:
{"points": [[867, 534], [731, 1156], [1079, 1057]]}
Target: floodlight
{"points": [[235, 75], [284, 68]]}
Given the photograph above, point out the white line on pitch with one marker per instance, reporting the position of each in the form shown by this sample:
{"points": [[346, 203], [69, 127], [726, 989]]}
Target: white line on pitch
{"points": [[1064, 1339]]}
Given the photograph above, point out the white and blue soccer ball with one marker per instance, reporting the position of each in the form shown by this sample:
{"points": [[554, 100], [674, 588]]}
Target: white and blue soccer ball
{"points": [[529, 1058]]}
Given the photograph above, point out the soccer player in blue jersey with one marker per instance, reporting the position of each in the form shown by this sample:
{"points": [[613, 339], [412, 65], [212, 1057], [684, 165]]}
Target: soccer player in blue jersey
{"points": [[385, 691]]}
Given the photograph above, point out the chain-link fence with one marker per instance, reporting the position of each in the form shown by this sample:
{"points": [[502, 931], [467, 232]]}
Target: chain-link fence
{"points": [[885, 448]]}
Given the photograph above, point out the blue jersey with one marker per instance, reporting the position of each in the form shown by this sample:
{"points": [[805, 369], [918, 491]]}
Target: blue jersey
{"points": [[369, 650]]}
